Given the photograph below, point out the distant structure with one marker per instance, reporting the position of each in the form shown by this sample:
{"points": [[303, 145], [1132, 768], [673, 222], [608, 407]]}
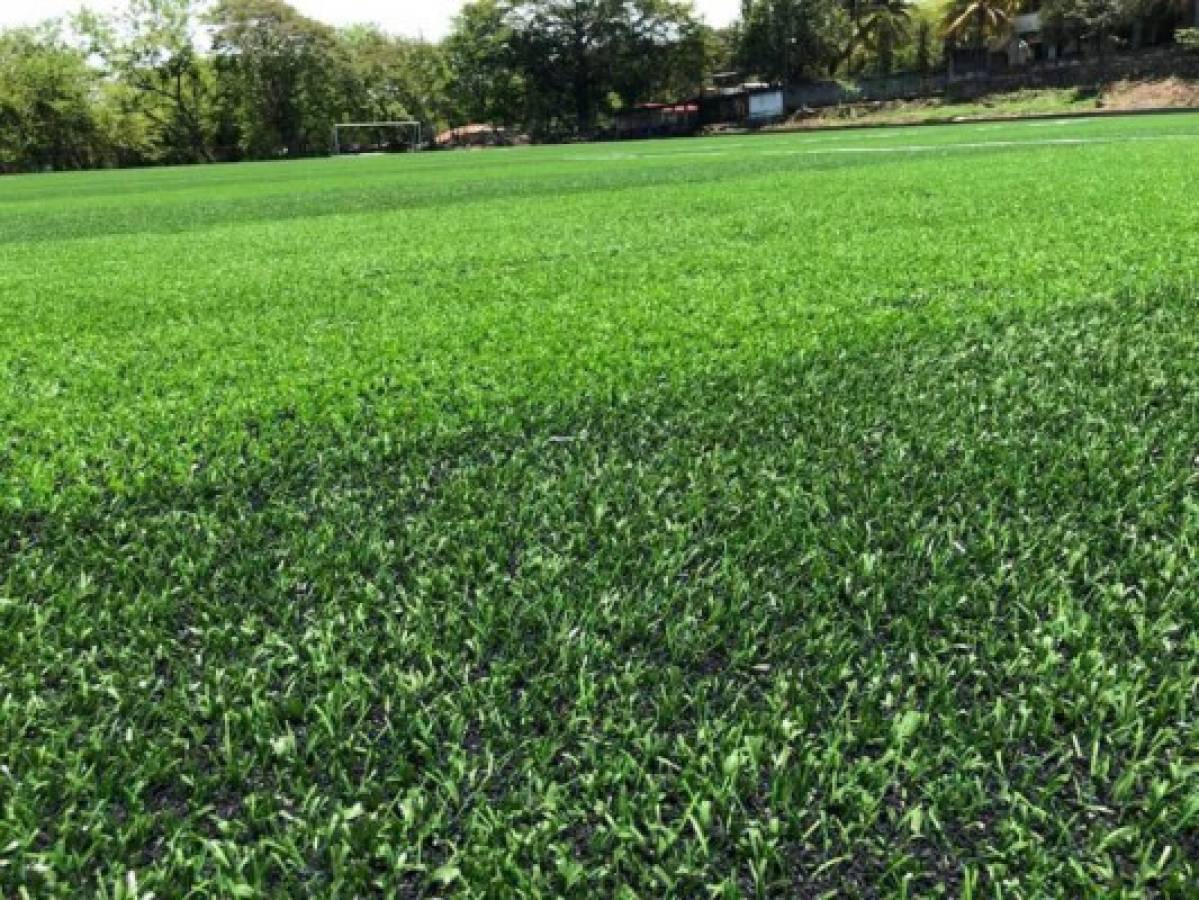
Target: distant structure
{"points": [[726, 100], [751, 102], [477, 134], [1025, 44], [648, 120]]}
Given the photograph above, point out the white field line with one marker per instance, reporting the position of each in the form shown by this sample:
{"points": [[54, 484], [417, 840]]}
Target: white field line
{"points": [[985, 145], [932, 148], [607, 157], [899, 148], [1057, 123]]}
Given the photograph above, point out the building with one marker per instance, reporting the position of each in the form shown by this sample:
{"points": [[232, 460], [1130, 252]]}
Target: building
{"points": [[1026, 43], [657, 120], [752, 102]]}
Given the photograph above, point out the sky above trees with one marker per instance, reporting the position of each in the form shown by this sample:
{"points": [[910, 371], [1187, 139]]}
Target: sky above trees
{"points": [[428, 18]]}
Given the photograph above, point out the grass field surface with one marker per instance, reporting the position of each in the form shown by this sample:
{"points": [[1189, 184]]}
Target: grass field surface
{"points": [[760, 516]]}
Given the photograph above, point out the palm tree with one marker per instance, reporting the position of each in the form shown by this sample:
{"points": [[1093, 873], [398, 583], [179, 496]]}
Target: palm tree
{"points": [[884, 26], [979, 19]]}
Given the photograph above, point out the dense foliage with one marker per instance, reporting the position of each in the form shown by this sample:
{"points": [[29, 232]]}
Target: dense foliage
{"points": [[46, 113], [768, 516], [1102, 24], [202, 80], [190, 80]]}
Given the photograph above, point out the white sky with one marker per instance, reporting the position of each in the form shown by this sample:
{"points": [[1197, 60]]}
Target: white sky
{"points": [[430, 18]]}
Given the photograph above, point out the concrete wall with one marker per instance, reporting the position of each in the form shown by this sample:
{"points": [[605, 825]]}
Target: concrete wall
{"points": [[815, 94]]}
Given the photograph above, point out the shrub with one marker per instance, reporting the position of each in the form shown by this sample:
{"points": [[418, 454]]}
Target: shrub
{"points": [[1187, 39]]}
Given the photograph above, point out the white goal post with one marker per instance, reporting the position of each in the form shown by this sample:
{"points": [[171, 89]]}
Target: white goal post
{"points": [[406, 126]]}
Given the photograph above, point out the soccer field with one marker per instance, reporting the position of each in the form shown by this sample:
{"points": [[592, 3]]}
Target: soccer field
{"points": [[749, 516]]}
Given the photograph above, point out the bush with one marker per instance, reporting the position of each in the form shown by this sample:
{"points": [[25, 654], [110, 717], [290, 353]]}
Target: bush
{"points": [[1187, 39]]}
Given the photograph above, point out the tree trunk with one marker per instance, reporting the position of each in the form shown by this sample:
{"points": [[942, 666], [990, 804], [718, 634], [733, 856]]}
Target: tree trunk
{"points": [[200, 145], [580, 83], [582, 106], [982, 39]]}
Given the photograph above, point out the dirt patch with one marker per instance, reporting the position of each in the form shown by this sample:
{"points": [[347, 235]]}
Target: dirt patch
{"points": [[1169, 92]]}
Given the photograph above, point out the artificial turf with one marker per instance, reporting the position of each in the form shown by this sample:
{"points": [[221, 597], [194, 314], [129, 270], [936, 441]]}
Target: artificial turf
{"points": [[750, 516]]}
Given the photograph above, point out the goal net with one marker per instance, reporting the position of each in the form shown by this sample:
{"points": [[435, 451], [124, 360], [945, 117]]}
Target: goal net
{"points": [[376, 137]]}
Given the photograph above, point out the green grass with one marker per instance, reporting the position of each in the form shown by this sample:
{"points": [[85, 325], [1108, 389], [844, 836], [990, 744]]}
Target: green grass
{"points": [[756, 516]]}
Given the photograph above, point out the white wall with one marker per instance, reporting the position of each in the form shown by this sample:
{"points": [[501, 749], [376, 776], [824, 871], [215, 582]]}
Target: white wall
{"points": [[767, 105]]}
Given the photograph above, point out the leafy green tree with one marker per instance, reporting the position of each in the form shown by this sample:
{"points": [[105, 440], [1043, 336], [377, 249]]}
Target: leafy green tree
{"points": [[126, 135], [665, 53], [395, 78], [575, 56], [283, 77], [47, 103], [722, 48], [978, 21], [923, 48], [791, 39], [883, 28], [486, 84], [1153, 21], [149, 47], [1089, 21]]}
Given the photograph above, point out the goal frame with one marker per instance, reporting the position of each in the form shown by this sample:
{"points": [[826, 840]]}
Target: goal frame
{"points": [[408, 123]]}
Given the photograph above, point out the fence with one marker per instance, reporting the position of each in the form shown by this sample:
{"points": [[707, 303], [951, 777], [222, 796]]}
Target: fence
{"points": [[1158, 63]]}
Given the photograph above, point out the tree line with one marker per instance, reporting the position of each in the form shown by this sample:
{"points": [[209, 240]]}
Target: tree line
{"points": [[175, 81]]}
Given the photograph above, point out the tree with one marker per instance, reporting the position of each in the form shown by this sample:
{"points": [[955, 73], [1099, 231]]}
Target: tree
{"points": [[1154, 20], [1089, 21], [283, 77], [576, 56], [923, 50], [47, 114], [664, 54], [789, 39], [722, 48], [884, 27], [485, 83], [149, 47], [395, 78], [977, 21]]}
